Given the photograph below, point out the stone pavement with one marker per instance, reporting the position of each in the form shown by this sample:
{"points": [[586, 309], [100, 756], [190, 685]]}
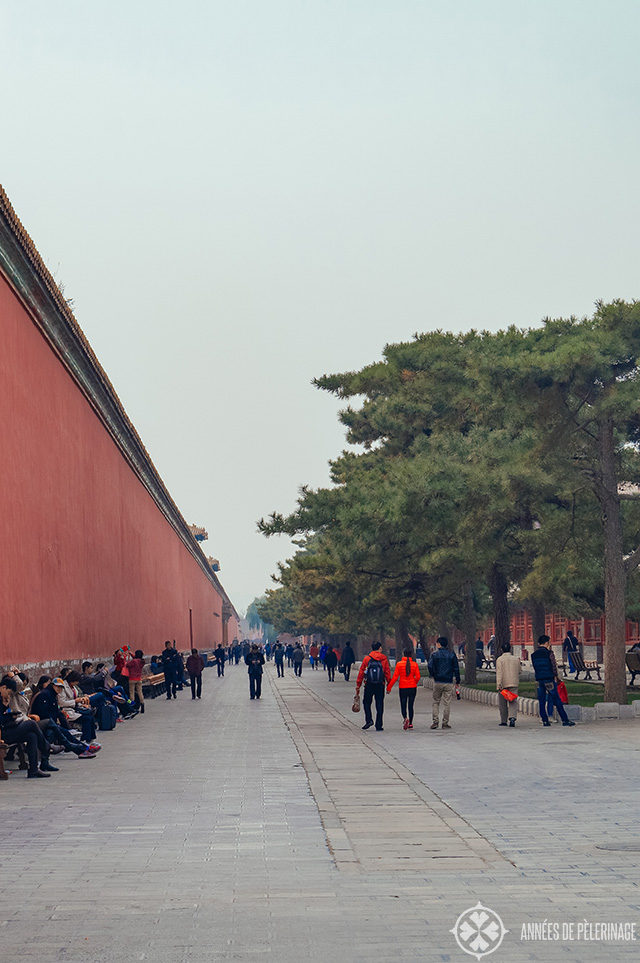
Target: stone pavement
{"points": [[232, 830]]}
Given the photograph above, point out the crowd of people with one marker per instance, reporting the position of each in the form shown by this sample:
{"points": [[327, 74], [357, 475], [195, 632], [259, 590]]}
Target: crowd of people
{"points": [[60, 713]]}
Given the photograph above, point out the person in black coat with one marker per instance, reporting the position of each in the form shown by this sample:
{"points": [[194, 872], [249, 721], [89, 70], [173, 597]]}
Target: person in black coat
{"points": [[348, 658], [331, 661], [254, 660], [172, 668], [220, 657]]}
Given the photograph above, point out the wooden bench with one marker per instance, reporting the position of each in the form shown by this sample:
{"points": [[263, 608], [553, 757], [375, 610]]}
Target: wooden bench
{"points": [[586, 667], [153, 686], [633, 665]]}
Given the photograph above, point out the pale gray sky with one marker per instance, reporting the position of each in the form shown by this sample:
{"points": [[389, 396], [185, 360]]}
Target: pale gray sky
{"points": [[243, 194]]}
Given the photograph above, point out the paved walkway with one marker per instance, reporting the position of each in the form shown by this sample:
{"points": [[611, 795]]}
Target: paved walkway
{"points": [[234, 830]]}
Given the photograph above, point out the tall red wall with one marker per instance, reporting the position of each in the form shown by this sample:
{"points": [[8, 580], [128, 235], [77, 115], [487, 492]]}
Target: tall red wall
{"points": [[89, 562]]}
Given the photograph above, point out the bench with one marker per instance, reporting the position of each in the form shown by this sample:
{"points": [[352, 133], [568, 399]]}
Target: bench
{"points": [[633, 665], [586, 667], [153, 686]]}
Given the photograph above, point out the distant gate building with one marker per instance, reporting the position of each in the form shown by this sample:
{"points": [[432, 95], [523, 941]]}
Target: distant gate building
{"points": [[94, 551]]}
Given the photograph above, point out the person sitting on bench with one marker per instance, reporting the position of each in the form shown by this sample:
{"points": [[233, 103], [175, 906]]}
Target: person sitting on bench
{"points": [[17, 728]]}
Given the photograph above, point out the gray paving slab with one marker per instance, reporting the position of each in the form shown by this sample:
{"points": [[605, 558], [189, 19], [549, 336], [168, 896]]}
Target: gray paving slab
{"points": [[195, 835]]}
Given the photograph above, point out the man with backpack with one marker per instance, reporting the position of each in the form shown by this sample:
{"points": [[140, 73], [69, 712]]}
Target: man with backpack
{"points": [[376, 674]]}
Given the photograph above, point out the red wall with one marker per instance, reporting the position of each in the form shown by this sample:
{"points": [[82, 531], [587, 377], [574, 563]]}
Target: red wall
{"points": [[89, 562]]}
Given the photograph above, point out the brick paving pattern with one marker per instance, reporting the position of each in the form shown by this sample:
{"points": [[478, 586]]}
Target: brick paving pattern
{"points": [[227, 829]]}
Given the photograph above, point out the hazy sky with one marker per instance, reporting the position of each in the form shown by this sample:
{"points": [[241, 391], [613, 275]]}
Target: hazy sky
{"points": [[242, 195]]}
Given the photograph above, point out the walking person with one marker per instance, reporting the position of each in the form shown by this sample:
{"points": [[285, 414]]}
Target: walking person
{"points": [[322, 654], [507, 679], [331, 661], [374, 672], [254, 660], [195, 665], [348, 658], [136, 665], [314, 654], [219, 654], [546, 670], [297, 658], [289, 654], [278, 658], [479, 653], [569, 647], [407, 672], [169, 659], [443, 666]]}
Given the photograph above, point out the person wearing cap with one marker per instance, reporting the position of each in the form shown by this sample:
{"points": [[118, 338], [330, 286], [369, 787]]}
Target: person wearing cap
{"points": [[47, 713], [74, 708]]}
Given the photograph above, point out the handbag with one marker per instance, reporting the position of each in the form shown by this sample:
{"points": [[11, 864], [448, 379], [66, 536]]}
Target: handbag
{"points": [[508, 695], [562, 692], [356, 703]]}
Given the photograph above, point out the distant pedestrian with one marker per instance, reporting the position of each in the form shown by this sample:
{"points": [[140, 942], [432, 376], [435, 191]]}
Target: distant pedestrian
{"points": [[219, 654], [348, 658], [479, 653], [322, 654], [289, 654], [569, 648], [278, 658], [195, 665], [135, 666], [407, 672], [507, 679], [314, 655], [443, 666], [171, 665], [331, 661], [546, 670], [374, 672], [254, 660], [297, 657]]}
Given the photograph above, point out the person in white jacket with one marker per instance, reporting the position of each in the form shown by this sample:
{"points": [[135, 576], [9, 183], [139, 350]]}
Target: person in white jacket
{"points": [[507, 677]]}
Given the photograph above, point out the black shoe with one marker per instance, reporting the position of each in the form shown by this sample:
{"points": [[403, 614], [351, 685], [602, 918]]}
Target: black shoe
{"points": [[568, 723], [193, 697], [367, 725], [47, 767], [37, 774], [512, 723], [546, 724], [503, 723], [379, 729], [142, 708]]}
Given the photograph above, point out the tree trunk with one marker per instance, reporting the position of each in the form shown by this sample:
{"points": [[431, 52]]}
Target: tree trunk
{"points": [[403, 640], [615, 576], [538, 621], [383, 639], [498, 587], [469, 624]]}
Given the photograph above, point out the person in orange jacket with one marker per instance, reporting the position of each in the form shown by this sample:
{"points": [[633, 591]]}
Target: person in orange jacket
{"points": [[407, 673], [374, 671]]}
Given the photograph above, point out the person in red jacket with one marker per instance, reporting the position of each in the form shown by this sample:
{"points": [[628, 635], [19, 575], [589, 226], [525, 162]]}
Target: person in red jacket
{"points": [[407, 672], [374, 672]]}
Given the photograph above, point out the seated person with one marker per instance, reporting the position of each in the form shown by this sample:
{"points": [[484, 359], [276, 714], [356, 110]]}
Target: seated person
{"points": [[47, 713], [17, 728], [114, 693], [75, 706], [87, 681]]}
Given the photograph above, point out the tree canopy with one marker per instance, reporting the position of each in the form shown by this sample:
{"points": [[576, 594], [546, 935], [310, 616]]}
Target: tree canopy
{"points": [[483, 465]]}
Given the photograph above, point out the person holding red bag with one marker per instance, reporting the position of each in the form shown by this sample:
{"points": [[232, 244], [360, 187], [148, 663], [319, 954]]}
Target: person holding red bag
{"points": [[507, 682]]}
